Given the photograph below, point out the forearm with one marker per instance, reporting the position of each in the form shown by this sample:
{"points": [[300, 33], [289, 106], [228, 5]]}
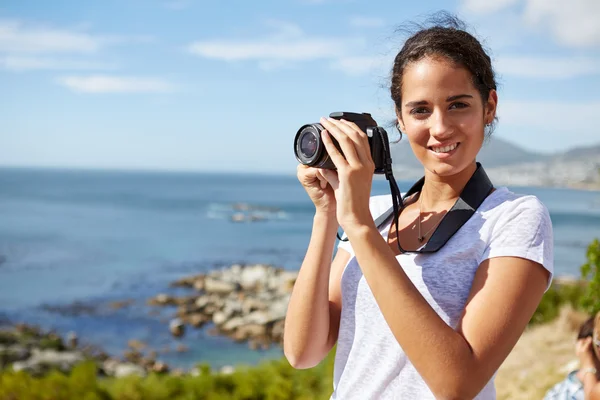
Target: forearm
{"points": [[591, 388], [307, 321], [439, 353]]}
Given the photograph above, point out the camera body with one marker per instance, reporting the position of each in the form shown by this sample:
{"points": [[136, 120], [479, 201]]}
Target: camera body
{"points": [[310, 150]]}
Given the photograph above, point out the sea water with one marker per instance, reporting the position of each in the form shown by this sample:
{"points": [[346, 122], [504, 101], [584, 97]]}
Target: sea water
{"points": [[93, 237]]}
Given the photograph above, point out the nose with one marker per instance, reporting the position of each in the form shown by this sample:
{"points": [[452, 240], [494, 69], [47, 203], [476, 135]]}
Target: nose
{"points": [[441, 126]]}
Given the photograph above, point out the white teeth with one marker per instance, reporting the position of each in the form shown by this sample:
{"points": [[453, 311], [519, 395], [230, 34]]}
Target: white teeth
{"points": [[445, 149]]}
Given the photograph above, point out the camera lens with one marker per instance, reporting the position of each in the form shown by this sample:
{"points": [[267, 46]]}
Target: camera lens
{"points": [[308, 144]]}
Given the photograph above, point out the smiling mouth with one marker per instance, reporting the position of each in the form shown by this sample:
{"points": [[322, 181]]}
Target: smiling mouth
{"points": [[444, 149]]}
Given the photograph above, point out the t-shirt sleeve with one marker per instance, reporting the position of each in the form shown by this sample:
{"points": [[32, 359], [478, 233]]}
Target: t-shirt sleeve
{"points": [[524, 230], [378, 205]]}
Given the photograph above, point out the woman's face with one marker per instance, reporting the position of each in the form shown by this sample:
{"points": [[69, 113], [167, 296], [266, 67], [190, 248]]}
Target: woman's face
{"points": [[443, 115]]}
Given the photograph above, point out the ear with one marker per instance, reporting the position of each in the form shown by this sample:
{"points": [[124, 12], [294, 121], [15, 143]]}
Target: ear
{"points": [[399, 119], [491, 107]]}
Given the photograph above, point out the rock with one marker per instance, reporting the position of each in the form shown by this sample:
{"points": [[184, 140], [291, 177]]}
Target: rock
{"points": [[137, 345], [109, 366], [249, 331], [12, 353], [160, 367], [227, 370], [133, 356], [197, 320], [212, 285], [127, 369], [253, 277], [117, 305], [219, 317], [161, 300], [277, 331], [177, 327], [232, 324], [199, 284], [43, 360], [72, 340], [188, 281]]}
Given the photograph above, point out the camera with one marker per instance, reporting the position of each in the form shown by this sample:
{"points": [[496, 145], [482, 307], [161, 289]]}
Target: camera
{"points": [[310, 150]]}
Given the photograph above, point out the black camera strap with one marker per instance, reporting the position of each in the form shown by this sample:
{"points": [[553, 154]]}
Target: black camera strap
{"points": [[473, 194]]}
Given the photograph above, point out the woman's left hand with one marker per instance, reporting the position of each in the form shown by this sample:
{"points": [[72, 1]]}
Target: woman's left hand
{"points": [[352, 182]]}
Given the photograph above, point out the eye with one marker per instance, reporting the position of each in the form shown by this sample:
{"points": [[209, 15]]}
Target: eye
{"points": [[458, 105], [419, 110]]}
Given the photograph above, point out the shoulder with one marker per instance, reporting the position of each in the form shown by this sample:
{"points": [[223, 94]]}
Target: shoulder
{"points": [[505, 205]]}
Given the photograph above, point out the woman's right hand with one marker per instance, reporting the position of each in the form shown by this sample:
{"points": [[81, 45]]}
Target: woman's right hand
{"points": [[319, 191]]}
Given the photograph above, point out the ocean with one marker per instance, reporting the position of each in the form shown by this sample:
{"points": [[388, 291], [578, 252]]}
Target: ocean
{"points": [[87, 238]]}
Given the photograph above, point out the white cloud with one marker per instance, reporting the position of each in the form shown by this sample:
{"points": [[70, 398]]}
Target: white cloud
{"points": [[15, 37], [288, 44], [267, 49], [575, 23], [27, 63], [548, 67], [115, 84], [485, 6], [356, 66], [366, 22]]}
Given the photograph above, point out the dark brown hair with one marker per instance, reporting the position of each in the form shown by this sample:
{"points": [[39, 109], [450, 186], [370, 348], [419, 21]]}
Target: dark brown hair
{"points": [[586, 329], [443, 35]]}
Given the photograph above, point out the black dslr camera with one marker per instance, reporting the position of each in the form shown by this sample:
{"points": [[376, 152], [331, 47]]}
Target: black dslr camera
{"points": [[310, 150]]}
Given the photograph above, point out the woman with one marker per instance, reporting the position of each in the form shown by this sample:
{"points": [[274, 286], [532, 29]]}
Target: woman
{"points": [[412, 325], [583, 383]]}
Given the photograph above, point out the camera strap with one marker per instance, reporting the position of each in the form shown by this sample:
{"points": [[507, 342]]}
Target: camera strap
{"points": [[473, 194]]}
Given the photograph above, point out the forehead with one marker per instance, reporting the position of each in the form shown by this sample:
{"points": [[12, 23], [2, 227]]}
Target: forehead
{"points": [[433, 77]]}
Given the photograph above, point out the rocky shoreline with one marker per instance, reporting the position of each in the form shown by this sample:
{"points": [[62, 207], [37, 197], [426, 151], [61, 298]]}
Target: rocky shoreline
{"points": [[246, 303]]}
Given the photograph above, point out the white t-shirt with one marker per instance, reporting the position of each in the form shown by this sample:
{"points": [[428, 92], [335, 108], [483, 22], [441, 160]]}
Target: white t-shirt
{"points": [[369, 362]]}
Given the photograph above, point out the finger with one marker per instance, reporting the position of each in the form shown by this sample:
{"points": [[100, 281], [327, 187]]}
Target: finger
{"points": [[346, 143], [336, 157], [322, 179], [363, 148], [332, 178]]}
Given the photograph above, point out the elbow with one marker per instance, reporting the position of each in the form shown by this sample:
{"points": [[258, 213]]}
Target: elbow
{"points": [[459, 389], [299, 362], [300, 359]]}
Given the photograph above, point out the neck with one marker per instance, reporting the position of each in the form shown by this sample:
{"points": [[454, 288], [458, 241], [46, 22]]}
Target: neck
{"points": [[440, 190]]}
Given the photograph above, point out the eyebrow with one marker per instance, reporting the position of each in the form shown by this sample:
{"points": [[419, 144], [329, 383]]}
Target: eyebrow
{"points": [[449, 99]]}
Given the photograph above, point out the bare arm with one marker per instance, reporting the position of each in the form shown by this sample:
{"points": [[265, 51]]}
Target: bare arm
{"points": [[591, 387], [313, 315], [458, 363]]}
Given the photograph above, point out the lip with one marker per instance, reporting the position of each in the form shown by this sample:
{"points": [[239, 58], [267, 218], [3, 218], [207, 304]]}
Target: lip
{"points": [[443, 156]]}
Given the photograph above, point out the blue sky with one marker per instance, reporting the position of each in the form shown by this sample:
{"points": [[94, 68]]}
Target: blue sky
{"points": [[217, 85]]}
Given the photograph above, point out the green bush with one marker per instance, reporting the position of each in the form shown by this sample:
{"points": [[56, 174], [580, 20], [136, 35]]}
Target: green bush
{"points": [[590, 272], [557, 296], [272, 380]]}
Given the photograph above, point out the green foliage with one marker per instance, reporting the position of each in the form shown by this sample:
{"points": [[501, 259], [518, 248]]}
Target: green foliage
{"points": [[272, 380], [590, 271], [557, 296]]}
